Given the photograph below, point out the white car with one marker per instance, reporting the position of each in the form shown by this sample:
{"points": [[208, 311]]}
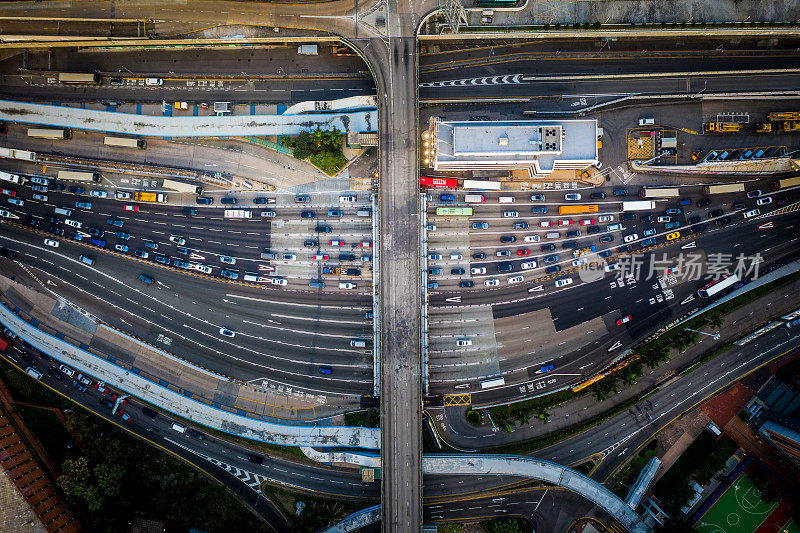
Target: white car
{"points": [[527, 265], [346, 285], [754, 194], [605, 218], [122, 195], [16, 201], [40, 197], [456, 256], [205, 269], [573, 196], [153, 81], [545, 224], [99, 194], [7, 214], [67, 371], [752, 213], [434, 257], [510, 214], [227, 332], [464, 342], [51, 242], [764, 201], [278, 281], [180, 241], [531, 238], [289, 257], [227, 259], [478, 270], [431, 227], [578, 262], [492, 282], [73, 223], [563, 282], [630, 238], [516, 279], [664, 219], [611, 267]]}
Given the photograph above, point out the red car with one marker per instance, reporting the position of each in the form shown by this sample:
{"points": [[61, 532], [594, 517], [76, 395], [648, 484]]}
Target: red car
{"points": [[8, 192], [624, 320], [131, 208], [101, 387], [565, 222], [587, 222], [114, 397], [336, 243], [124, 415], [523, 251]]}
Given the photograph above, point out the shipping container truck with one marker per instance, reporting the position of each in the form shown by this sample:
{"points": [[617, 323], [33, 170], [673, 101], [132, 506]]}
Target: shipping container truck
{"points": [[150, 197], [307, 50], [474, 198], [182, 187], [643, 205]]}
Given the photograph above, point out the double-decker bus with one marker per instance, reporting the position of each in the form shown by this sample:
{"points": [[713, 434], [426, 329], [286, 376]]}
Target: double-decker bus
{"points": [[722, 189], [454, 211], [125, 142], [78, 78], [439, 183], [492, 383], [73, 175], [481, 185], [715, 287], [789, 182], [659, 193], [577, 209], [48, 133], [11, 178]]}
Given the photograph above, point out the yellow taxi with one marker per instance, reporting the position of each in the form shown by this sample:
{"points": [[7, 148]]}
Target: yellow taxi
{"points": [[674, 235]]}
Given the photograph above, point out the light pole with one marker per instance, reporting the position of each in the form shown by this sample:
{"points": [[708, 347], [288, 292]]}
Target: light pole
{"points": [[714, 336]]}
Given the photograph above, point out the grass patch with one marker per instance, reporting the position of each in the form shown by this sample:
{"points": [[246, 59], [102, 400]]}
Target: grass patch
{"points": [[584, 468], [627, 476], [506, 525], [318, 512], [369, 418]]}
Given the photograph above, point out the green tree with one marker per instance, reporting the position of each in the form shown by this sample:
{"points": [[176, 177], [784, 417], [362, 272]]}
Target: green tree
{"points": [[109, 478], [714, 319], [473, 417], [77, 482], [631, 373], [542, 415]]}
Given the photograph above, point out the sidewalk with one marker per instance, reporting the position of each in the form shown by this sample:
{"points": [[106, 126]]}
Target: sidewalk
{"points": [[737, 323]]}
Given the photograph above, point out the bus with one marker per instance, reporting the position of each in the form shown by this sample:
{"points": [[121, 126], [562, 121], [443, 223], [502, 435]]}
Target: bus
{"points": [[182, 187], [577, 209], [45, 133], [789, 182], [492, 383], [481, 185], [715, 287], [474, 198], [722, 189], [125, 142], [11, 178], [659, 193], [439, 183], [74, 175], [454, 211], [78, 78]]}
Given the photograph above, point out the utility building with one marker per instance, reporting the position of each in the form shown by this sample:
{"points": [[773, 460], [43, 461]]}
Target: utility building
{"points": [[536, 146]]}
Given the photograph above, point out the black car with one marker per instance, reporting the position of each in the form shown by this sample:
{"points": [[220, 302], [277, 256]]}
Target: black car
{"points": [[628, 216], [29, 358], [347, 257], [57, 186], [646, 218], [308, 214], [606, 238], [10, 254], [598, 195], [508, 238], [466, 284], [97, 232], [117, 81], [737, 206], [722, 221], [56, 230], [257, 459], [108, 403], [311, 244], [190, 211], [783, 200], [520, 225], [195, 434], [149, 413], [33, 222], [548, 247], [594, 229], [353, 272], [624, 248], [323, 229], [693, 220], [227, 200], [77, 190], [568, 245], [52, 219], [605, 253], [705, 202], [54, 373], [552, 269], [457, 271], [716, 213], [699, 228], [302, 198], [183, 250], [479, 255], [204, 200], [261, 200]]}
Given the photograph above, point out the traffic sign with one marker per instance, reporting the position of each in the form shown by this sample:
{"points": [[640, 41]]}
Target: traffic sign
{"points": [[766, 225]]}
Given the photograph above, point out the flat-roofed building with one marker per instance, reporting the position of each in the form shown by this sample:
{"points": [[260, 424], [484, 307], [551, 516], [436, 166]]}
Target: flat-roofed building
{"points": [[538, 146]]}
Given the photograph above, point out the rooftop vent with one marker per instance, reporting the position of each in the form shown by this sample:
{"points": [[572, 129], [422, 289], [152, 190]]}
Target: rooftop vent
{"points": [[503, 141]]}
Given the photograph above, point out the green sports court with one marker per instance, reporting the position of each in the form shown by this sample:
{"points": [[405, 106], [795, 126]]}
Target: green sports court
{"points": [[739, 510]]}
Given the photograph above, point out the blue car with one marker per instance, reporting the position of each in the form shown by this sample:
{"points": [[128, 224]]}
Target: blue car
{"points": [[325, 370], [153, 245], [447, 197], [114, 222], [145, 279], [538, 210], [335, 213], [98, 242]]}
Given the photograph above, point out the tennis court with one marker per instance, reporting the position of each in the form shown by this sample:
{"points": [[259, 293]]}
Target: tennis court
{"points": [[739, 510]]}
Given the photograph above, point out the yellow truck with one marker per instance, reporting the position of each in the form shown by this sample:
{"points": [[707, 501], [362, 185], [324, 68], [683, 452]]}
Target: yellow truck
{"points": [[766, 127], [783, 115], [150, 197], [722, 127], [791, 125]]}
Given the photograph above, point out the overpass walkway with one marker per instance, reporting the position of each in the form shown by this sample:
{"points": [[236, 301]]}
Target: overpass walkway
{"points": [[157, 126]]}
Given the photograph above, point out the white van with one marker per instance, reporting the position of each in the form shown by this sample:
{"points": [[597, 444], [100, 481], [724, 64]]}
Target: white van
{"points": [[358, 343], [456, 256], [33, 372], [268, 214], [153, 81], [552, 235], [73, 223], [464, 342], [647, 121], [562, 282], [350, 198], [363, 212], [179, 428], [62, 211], [506, 199]]}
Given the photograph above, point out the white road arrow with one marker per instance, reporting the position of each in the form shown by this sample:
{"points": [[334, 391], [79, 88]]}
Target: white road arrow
{"points": [[614, 346], [768, 225], [51, 283], [687, 300], [688, 245], [454, 299], [197, 256], [536, 288], [268, 268]]}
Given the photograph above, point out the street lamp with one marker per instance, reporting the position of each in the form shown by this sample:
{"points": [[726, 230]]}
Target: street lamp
{"points": [[714, 336]]}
